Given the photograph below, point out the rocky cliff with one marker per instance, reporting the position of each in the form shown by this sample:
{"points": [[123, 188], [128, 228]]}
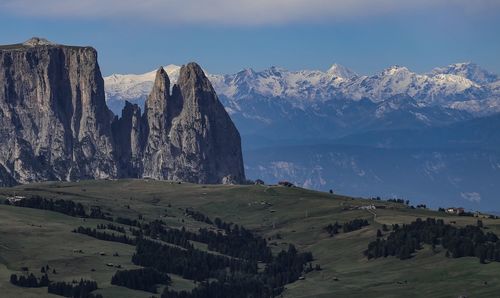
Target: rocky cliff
{"points": [[189, 134], [55, 125]]}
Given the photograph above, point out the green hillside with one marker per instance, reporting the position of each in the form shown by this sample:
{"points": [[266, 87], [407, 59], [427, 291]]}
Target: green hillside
{"points": [[35, 238]]}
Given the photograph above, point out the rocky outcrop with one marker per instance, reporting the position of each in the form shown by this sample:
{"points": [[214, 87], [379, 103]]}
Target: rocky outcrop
{"points": [[55, 125], [54, 121], [189, 134]]}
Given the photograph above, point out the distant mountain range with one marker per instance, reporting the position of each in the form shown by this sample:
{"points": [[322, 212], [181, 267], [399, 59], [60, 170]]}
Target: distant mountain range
{"points": [[430, 137]]}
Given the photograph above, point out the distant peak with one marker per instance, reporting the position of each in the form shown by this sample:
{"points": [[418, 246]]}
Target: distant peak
{"points": [[161, 70], [395, 69], [468, 70], [162, 80], [248, 71], [37, 41], [341, 71]]}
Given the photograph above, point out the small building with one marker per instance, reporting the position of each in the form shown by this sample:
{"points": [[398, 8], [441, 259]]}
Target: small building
{"points": [[456, 211], [259, 182], [368, 207]]}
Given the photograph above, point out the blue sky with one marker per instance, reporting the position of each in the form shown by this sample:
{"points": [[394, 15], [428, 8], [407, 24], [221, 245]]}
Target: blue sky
{"points": [[225, 36]]}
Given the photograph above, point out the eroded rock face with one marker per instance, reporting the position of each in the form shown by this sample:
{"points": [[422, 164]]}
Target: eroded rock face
{"points": [[195, 140], [55, 125]]}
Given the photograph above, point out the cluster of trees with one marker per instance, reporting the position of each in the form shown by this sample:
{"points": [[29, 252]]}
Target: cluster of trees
{"points": [[128, 221], [189, 263], [233, 274], [458, 241], [111, 227], [333, 229], [287, 267], [346, 227], [144, 279], [219, 223], [80, 289], [67, 207], [399, 201], [354, 225], [157, 230], [236, 241], [30, 281], [61, 206], [230, 287], [96, 212], [105, 236], [198, 216]]}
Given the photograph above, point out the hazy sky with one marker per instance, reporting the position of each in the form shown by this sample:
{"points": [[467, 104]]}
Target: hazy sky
{"points": [[224, 36]]}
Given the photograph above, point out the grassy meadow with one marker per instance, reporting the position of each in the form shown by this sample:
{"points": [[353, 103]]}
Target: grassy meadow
{"points": [[34, 238]]}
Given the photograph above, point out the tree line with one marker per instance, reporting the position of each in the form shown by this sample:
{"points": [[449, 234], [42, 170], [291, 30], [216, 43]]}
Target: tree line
{"points": [[346, 227], [105, 236], [30, 281], [233, 274], [458, 241], [66, 207], [144, 279], [189, 263], [80, 289]]}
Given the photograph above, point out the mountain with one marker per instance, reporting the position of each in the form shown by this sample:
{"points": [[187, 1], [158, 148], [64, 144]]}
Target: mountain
{"points": [[56, 125], [394, 133], [468, 70], [263, 103]]}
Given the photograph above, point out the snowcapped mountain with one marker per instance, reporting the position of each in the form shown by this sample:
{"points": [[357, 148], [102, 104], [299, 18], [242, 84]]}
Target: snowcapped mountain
{"points": [[277, 103], [451, 86], [395, 131], [467, 70]]}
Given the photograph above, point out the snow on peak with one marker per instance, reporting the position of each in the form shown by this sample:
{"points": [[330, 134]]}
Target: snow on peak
{"points": [[339, 71], [395, 69], [456, 82], [469, 71]]}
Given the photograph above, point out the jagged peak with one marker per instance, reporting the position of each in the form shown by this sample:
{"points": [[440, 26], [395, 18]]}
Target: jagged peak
{"points": [[161, 87], [341, 71], [37, 41], [391, 70], [191, 71], [247, 72], [162, 77], [468, 70]]}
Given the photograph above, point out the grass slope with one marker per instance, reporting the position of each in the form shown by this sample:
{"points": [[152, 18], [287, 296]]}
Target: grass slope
{"points": [[34, 238]]}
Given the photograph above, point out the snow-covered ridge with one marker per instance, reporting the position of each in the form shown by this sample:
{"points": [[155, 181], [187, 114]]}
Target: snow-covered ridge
{"points": [[452, 86]]}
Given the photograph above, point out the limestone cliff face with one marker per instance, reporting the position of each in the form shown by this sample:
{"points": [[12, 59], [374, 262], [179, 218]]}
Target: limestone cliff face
{"points": [[190, 136], [54, 121], [55, 125]]}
